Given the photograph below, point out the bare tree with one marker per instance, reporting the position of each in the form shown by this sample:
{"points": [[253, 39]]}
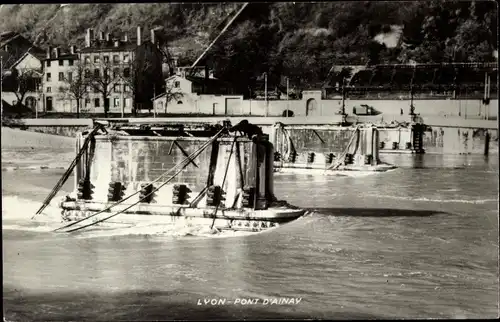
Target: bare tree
{"points": [[102, 77], [171, 93], [25, 82], [75, 86]]}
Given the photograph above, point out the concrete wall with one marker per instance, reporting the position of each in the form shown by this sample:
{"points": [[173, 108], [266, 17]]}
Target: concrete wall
{"points": [[63, 127], [312, 105], [135, 161], [439, 139]]}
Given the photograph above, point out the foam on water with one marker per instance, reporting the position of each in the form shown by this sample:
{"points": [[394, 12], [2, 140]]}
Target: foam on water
{"points": [[17, 214]]}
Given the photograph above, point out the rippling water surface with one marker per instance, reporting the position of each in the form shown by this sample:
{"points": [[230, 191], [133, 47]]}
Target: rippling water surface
{"points": [[417, 242]]}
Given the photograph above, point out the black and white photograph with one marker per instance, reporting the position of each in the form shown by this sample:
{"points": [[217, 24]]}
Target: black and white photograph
{"points": [[228, 161]]}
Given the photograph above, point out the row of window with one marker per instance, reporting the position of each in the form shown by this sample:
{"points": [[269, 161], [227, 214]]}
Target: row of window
{"points": [[97, 60], [61, 77], [97, 102], [116, 74], [61, 62], [116, 89], [116, 59]]}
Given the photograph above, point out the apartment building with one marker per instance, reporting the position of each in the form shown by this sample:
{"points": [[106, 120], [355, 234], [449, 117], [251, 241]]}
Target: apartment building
{"points": [[58, 69], [108, 59], [108, 64]]}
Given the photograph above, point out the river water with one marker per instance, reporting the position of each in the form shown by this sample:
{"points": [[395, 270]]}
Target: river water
{"points": [[418, 242]]}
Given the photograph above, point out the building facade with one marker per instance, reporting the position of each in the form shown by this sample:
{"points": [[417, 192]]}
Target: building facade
{"points": [[59, 69], [114, 70]]}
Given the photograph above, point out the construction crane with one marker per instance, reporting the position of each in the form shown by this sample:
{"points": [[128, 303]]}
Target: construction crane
{"points": [[218, 36]]}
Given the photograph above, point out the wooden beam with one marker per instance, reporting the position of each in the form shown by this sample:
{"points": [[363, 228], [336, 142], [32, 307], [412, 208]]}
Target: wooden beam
{"points": [[213, 163], [184, 152]]}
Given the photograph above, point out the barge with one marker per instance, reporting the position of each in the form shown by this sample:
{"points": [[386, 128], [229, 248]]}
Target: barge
{"points": [[202, 174], [328, 150]]}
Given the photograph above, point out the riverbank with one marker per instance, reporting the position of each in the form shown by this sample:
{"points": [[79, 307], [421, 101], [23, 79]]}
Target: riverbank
{"points": [[25, 150]]}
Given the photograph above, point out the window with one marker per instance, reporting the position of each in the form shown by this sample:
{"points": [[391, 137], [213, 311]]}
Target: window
{"points": [[116, 102], [49, 90], [87, 73], [70, 76], [87, 59], [96, 102], [116, 88], [179, 102], [48, 103], [116, 59], [49, 77], [126, 72], [177, 84], [96, 73], [70, 62], [106, 59], [116, 73], [48, 63], [61, 62], [126, 88], [61, 76], [87, 102], [125, 58], [96, 60]]}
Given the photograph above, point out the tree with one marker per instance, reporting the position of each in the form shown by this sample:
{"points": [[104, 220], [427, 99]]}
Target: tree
{"points": [[134, 73], [25, 80], [171, 93], [75, 87], [102, 76]]}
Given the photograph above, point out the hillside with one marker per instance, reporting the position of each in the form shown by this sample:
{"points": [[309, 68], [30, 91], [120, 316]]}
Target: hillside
{"points": [[299, 40]]}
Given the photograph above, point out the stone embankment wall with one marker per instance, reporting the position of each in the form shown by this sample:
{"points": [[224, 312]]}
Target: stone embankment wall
{"points": [[444, 135]]}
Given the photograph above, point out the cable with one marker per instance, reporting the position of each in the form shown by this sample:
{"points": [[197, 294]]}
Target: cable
{"points": [[186, 161], [153, 191], [342, 155], [66, 175]]}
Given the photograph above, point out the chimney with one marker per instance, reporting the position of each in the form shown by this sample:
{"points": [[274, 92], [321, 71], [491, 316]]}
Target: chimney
{"points": [[108, 36], [57, 52], [153, 39], [89, 37], [101, 35], [139, 36], [72, 49], [49, 52], [125, 38], [117, 43]]}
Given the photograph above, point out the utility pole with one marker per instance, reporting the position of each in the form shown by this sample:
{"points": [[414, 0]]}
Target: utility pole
{"points": [[122, 98], [1, 84], [250, 89], [265, 93], [287, 95], [154, 105]]}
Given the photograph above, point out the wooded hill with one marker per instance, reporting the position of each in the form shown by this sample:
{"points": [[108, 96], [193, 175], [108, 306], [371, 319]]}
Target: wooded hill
{"points": [[298, 40]]}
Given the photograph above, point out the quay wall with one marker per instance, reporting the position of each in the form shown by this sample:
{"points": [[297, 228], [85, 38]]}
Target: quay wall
{"points": [[452, 135]]}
